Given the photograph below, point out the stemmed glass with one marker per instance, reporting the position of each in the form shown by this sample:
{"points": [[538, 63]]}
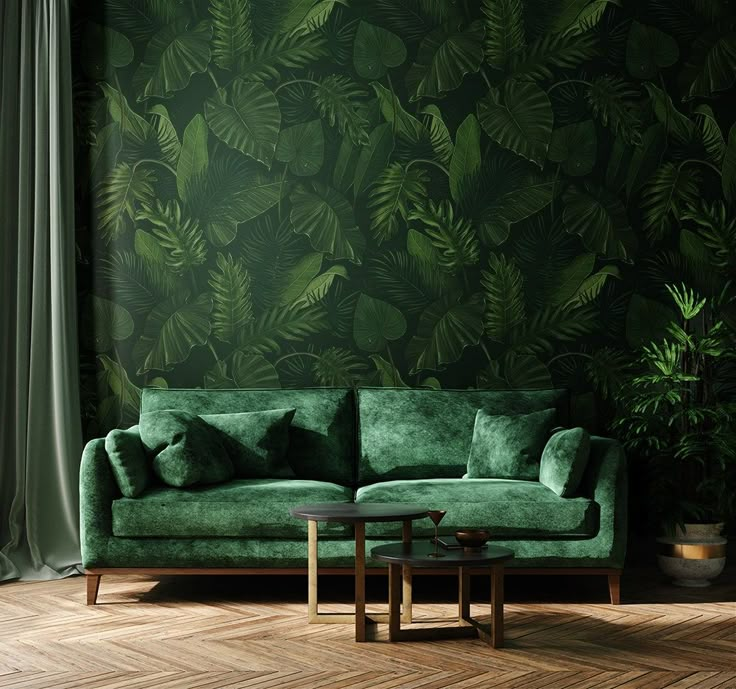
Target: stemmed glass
{"points": [[436, 517]]}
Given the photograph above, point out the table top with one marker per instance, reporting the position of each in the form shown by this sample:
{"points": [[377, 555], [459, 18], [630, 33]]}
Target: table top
{"points": [[351, 513], [417, 554]]}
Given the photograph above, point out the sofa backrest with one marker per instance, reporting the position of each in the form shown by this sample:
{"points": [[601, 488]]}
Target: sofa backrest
{"points": [[413, 434], [322, 438]]}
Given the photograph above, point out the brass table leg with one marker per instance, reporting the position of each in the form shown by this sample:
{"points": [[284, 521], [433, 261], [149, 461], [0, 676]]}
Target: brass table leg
{"points": [[313, 614]]}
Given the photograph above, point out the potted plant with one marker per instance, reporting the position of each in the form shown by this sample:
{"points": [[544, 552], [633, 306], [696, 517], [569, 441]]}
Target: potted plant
{"points": [[671, 416]]}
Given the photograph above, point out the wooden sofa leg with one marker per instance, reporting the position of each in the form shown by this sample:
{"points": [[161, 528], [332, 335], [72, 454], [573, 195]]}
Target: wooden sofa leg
{"points": [[93, 586], [614, 588]]}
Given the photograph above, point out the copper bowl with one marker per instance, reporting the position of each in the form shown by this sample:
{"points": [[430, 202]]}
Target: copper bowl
{"points": [[472, 539]]}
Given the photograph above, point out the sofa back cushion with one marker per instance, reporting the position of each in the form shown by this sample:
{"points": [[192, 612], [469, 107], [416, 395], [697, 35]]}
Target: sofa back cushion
{"points": [[322, 434], [414, 434]]}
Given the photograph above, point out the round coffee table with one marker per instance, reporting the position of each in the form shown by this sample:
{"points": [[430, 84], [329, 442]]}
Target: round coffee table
{"points": [[357, 514], [399, 555]]}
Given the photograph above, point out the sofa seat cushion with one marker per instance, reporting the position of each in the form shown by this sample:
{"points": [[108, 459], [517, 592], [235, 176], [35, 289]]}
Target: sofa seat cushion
{"points": [[250, 508], [510, 509]]}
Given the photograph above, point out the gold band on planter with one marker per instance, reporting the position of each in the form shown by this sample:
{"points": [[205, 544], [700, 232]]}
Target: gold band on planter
{"points": [[693, 551]]}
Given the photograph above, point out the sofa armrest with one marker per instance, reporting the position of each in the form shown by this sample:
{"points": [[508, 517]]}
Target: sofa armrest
{"points": [[605, 480], [97, 490]]}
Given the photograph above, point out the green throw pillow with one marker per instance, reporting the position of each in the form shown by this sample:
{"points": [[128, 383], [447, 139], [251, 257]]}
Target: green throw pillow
{"points": [[564, 459], [509, 446], [128, 461], [187, 450], [256, 441]]}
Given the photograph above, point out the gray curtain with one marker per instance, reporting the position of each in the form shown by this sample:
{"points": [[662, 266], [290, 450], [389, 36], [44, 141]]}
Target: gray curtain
{"points": [[40, 427]]}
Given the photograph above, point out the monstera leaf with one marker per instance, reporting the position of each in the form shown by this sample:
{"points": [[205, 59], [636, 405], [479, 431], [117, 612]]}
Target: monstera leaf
{"points": [[302, 147], [173, 55], [232, 36], [648, 51], [600, 220], [327, 219], [504, 23], [246, 117], [445, 329], [396, 187], [117, 195], [194, 157], [172, 330], [103, 50], [712, 63], [375, 50], [465, 160], [376, 323], [575, 147], [445, 56], [337, 98], [518, 117], [373, 158]]}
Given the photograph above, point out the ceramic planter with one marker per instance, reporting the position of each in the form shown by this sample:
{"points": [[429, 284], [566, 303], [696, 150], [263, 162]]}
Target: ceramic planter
{"points": [[693, 557]]}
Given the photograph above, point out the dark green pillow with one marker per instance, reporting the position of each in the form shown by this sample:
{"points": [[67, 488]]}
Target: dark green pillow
{"points": [[509, 446], [256, 441], [564, 459], [187, 450], [128, 461]]}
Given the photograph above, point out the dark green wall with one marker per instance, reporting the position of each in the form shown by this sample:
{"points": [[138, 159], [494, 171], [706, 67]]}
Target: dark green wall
{"points": [[394, 192]]}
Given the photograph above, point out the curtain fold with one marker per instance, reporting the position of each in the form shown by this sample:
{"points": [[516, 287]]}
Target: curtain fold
{"points": [[40, 425]]}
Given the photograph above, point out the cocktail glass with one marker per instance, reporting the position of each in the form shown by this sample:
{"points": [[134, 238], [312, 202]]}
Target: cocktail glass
{"points": [[436, 516]]}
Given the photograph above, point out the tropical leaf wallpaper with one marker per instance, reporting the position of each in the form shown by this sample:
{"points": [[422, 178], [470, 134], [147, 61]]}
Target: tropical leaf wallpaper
{"points": [[428, 193]]}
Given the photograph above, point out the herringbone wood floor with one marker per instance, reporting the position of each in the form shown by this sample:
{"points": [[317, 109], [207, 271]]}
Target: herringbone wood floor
{"points": [[250, 632]]}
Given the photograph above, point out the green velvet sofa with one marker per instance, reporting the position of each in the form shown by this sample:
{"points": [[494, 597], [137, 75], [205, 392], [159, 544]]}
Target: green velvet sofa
{"points": [[362, 445]]}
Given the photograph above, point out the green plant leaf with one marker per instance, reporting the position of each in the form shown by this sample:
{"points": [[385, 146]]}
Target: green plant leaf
{"points": [[552, 51], [302, 147], [194, 157], [343, 171], [712, 63], [247, 118], [445, 329], [600, 220], [388, 374], [139, 19], [503, 288], [327, 219], [229, 192], [616, 104], [576, 147], [445, 56], [667, 193], [376, 50], [568, 280], [421, 248], [133, 128], [104, 151], [127, 397], [376, 323], [728, 171], [675, 122], [231, 31], [108, 322], [647, 320], [648, 51], [389, 198], [453, 237], [149, 248], [252, 371], [645, 158], [403, 123], [337, 99], [573, 16], [373, 158], [280, 324], [439, 135], [297, 279], [318, 287], [525, 372], [168, 139], [338, 367], [173, 55], [519, 118], [317, 16], [102, 50], [280, 51], [591, 287], [504, 24], [172, 330], [538, 333], [233, 305], [465, 161], [713, 139], [217, 378], [123, 187]]}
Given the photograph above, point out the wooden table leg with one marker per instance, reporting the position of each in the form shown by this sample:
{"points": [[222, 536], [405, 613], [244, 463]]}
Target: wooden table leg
{"points": [[463, 596], [497, 605], [394, 603], [360, 621], [406, 614], [312, 561], [93, 586]]}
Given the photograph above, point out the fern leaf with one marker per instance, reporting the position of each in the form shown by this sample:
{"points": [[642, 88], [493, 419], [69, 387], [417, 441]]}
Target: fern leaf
{"points": [[396, 187], [405, 281], [614, 103], [337, 99], [280, 51], [552, 51], [231, 31], [279, 324], [537, 334], [504, 23], [503, 287], [453, 237], [669, 190], [233, 307], [180, 237]]}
